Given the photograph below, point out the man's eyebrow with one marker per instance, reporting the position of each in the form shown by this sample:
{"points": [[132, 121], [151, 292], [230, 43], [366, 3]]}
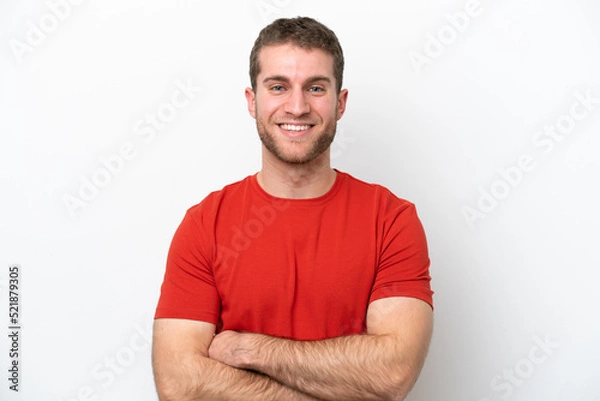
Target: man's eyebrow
{"points": [[278, 78], [311, 80]]}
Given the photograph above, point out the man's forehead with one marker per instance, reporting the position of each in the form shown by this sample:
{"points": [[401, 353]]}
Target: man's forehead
{"points": [[291, 56]]}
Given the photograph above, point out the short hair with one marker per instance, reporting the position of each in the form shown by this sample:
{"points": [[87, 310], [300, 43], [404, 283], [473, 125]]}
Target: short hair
{"points": [[303, 32]]}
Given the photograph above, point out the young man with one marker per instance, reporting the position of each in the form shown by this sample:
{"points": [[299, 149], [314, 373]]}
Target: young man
{"points": [[316, 284]]}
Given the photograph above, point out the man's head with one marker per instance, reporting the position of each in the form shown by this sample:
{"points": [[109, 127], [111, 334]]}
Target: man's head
{"points": [[303, 32], [296, 96]]}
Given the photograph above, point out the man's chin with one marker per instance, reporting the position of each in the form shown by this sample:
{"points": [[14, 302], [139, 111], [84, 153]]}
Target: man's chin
{"points": [[293, 152], [296, 160]]}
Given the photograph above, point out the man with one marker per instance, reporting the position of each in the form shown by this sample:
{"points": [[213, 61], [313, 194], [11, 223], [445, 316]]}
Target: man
{"points": [[316, 284]]}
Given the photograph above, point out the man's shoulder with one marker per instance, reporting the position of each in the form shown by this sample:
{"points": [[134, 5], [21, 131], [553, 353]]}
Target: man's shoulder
{"points": [[380, 192], [216, 197]]}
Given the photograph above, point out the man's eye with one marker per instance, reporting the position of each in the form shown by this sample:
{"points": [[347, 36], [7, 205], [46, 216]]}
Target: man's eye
{"points": [[277, 88], [316, 89]]}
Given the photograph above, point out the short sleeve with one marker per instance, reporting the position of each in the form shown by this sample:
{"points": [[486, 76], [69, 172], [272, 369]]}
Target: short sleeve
{"points": [[188, 290], [403, 268]]}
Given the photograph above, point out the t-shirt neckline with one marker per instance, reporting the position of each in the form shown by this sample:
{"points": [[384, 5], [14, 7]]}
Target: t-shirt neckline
{"points": [[327, 196]]}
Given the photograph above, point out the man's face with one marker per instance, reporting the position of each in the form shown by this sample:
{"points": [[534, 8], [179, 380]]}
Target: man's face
{"points": [[295, 105]]}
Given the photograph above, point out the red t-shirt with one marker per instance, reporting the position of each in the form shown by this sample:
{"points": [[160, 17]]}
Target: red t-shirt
{"points": [[304, 269]]}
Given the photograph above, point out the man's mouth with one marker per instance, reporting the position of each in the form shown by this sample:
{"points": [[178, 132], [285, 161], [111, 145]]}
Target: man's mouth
{"points": [[295, 127]]}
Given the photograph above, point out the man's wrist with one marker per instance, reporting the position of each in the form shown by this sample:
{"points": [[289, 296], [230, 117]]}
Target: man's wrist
{"points": [[249, 344]]}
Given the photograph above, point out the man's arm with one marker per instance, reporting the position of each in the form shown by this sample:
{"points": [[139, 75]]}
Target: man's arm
{"points": [[183, 371], [383, 364]]}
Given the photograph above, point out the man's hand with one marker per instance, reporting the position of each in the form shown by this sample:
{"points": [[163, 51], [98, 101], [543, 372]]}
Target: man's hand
{"points": [[228, 347]]}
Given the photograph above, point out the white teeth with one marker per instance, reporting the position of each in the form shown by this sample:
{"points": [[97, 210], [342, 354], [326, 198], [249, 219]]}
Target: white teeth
{"points": [[289, 127]]}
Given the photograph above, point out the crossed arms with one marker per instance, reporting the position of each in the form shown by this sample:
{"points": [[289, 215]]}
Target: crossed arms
{"points": [[192, 364]]}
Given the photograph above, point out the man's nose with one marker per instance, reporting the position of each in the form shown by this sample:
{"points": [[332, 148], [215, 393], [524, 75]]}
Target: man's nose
{"points": [[297, 103]]}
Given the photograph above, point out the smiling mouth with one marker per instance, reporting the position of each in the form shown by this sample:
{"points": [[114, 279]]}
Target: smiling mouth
{"points": [[295, 127]]}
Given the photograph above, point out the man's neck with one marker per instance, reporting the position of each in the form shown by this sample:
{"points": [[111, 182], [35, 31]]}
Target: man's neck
{"points": [[296, 181]]}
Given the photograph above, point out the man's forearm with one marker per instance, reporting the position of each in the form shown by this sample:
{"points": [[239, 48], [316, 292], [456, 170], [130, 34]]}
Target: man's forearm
{"points": [[358, 367], [199, 378]]}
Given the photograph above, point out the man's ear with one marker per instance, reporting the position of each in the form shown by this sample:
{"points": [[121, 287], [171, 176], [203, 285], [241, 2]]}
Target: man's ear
{"points": [[341, 103], [251, 99]]}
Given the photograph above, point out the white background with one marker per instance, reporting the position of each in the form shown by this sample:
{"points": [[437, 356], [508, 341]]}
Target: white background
{"points": [[523, 270]]}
